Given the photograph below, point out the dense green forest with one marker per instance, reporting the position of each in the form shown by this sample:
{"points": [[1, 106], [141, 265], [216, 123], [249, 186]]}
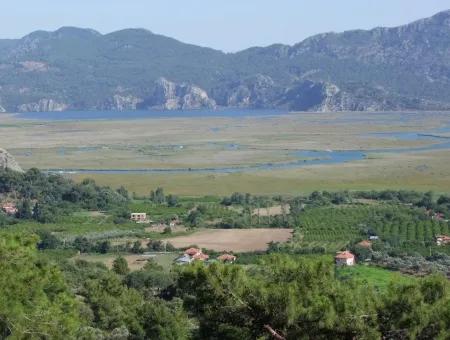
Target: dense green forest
{"points": [[290, 291]]}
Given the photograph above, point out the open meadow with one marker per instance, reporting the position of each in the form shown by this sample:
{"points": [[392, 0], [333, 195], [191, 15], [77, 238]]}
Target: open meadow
{"points": [[377, 277]]}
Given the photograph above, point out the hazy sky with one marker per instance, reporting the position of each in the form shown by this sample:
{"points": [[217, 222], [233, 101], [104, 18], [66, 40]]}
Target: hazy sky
{"points": [[228, 25]]}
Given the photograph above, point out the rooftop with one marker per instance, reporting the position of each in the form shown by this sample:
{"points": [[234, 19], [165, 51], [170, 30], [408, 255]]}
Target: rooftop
{"points": [[344, 255]]}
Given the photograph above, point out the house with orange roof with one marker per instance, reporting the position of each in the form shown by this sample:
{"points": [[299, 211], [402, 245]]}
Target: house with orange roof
{"points": [[344, 258], [190, 255], [192, 251], [227, 258]]}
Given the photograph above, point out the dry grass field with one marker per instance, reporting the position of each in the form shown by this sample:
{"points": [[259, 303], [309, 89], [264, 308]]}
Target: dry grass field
{"points": [[236, 240]]}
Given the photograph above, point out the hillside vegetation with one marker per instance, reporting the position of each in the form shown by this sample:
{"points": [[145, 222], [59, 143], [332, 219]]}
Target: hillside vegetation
{"points": [[80, 69], [54, 287]]}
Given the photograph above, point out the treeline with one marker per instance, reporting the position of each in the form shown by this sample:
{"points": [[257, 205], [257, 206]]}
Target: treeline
{"points": [[428, 200], [84, 245]]}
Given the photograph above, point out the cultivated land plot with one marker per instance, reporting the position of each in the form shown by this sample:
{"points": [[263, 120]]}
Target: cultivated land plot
{"points": [[237, 240]]}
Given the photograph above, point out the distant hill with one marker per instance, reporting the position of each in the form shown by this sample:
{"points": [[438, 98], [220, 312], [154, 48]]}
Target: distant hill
{"points": [[401, 68]]}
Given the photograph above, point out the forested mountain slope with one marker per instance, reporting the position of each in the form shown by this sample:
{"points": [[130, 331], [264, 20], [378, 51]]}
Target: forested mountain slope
{"points": [[406, 67]]}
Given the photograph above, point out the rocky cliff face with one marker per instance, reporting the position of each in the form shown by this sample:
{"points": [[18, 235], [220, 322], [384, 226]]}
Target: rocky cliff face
{"points": [[169, 95], [43, 105], [122, 102], [7, 161], [259, 91]]}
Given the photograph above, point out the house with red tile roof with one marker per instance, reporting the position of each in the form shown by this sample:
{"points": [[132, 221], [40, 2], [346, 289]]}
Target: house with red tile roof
{"points": [[190, 255], [344, 258], [227, 258], [192, 251]]}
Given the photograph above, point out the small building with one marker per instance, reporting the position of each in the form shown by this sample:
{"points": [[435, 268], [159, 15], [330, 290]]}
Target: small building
{"points": [[190, 255], [373, 237], [227, 258], [192, 251], [139, 217], [442, 240], [438, 216], [9, 208], [185, 259], [345, 258], [365, 244]]}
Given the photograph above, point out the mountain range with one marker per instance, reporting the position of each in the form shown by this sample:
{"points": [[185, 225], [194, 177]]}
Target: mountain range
{"points": [[400, 68]]}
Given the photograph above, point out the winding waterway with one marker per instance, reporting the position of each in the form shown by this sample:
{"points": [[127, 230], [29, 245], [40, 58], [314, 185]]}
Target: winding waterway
{"points": [[303, 157]]}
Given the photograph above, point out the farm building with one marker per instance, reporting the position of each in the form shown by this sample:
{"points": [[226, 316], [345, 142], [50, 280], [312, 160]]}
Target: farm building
{"points": [[139, 217], [442, 240], [9, 208], [345, 258], [227, 258]]}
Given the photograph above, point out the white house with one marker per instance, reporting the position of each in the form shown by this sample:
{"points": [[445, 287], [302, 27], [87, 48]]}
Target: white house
{"points": [[442, 240], [185, 259], [138, 217], [345, 258]]}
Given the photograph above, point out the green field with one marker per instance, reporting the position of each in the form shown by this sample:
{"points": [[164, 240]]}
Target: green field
{"points": [[375, 276]]}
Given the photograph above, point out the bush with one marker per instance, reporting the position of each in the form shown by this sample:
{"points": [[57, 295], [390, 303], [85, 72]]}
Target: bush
{"points": [[120, 266]]}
